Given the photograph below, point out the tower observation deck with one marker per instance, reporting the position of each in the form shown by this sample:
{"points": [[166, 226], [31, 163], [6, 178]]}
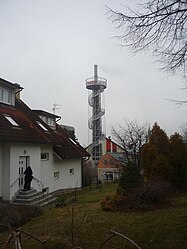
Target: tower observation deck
{"points": [[96, 85]]}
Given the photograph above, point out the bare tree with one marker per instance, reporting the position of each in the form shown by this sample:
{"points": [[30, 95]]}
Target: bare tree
{"points": [[131, 136], [184, 132], [160, 25]]}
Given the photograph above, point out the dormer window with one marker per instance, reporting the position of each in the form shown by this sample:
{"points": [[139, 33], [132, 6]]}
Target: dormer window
{"points": [[11, 120], [5, 96], [49, 121]]}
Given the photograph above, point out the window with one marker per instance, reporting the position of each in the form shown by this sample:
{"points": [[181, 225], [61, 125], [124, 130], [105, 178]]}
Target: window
{"points": [[43, 118], [42, 126], [5, 96], [72, 141], [45, 190], [56, 175], [109, 176], [71, 171], [11, 120], [44, 156], [51, 122], [48, 121]]}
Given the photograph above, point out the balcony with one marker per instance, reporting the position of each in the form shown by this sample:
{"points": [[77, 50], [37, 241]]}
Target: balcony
{"points": [[93, 84]]}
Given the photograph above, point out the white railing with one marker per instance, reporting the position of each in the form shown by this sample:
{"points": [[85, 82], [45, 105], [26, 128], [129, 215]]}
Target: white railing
{"points": [[40, 185], [14, 182]]}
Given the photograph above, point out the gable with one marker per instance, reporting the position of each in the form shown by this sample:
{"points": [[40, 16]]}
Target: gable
{"points": [[112, 160], [30, 128], [111, 146]]}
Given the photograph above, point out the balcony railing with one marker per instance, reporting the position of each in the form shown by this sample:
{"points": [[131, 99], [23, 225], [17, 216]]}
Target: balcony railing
{"points": [[91, 83]]}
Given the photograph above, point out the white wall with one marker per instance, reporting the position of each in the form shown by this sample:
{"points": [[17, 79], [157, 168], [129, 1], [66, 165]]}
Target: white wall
{"points": [[47, 168], [1, 170], [70, 180], [65, 180], [32, 151], [43, 170]]}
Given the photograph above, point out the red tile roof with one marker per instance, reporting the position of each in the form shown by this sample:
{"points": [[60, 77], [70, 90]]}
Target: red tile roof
{"points": [[29, 131]]}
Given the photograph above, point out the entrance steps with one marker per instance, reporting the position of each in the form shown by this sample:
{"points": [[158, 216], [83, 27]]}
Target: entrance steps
{"points": [[33, 197]]}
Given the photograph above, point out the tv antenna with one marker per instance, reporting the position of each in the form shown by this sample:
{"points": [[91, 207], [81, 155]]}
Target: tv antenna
{"points": [[55, 107]]}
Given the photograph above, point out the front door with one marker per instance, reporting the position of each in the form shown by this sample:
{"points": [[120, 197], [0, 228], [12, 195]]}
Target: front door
{"points": [[23, 163]]}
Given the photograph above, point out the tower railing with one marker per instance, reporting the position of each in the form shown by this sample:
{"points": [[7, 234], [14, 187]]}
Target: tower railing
{"points": [[91, 82]]}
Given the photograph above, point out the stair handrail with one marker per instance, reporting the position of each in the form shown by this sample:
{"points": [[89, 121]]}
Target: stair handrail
{"points": [[14, 182], [40, 185]]}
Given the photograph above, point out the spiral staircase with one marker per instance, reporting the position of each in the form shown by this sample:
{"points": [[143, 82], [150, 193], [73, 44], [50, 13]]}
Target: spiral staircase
{"points": [[96, 85]]}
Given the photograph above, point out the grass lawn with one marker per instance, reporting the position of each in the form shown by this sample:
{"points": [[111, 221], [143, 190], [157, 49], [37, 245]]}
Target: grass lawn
{"points": [[164, 228]]}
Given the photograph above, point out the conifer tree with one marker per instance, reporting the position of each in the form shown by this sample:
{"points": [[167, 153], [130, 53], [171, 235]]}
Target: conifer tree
{"points": [[178, 161], [154, 160], [130, 178]]}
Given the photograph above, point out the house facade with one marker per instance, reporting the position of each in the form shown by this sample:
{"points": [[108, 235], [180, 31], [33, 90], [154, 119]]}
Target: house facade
{"points": [[110, 166], [34, 138]]}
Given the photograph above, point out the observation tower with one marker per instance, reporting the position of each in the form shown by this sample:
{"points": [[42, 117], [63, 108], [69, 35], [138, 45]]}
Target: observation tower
{"points": [[97, 85]]}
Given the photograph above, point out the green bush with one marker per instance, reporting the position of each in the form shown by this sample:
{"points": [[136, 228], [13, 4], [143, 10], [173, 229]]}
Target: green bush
{"points": [[143, 196], [130, 179]]}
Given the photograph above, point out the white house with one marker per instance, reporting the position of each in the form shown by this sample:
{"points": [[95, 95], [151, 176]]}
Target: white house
{"points": [[33, 138]]}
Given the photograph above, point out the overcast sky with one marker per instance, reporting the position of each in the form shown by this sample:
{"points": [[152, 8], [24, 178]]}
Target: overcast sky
{"points": [[50, 47]]}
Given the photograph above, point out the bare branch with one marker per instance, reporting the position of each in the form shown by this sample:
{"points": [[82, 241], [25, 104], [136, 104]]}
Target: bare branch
{"points": [[178, 102], [131, 136], [114, 234], [160, 26]]}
